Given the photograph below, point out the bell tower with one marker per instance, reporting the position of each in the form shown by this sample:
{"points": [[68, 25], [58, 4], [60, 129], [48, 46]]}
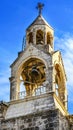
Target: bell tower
{"points": [[38, 94], [38, 67], [32, 72]]}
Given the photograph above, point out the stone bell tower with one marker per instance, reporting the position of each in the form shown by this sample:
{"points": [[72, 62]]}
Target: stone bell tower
{"points": [[41, 104], [33, 68]]}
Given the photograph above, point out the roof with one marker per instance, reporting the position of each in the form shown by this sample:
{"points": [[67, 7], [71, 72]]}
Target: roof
{"points": [[39, 21]]}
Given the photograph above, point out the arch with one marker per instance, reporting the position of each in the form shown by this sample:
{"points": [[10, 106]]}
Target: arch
{"points": [[19, 69], [30, 37], [49, 39], [60, 86], [60, 74], [39, 37], [32, 73]]}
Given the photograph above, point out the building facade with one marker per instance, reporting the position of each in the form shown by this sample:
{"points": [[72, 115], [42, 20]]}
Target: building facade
{"points": [[38, 93]]}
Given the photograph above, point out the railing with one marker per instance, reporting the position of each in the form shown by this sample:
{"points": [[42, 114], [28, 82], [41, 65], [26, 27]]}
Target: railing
{"points": [[36, 92], [40, 91], [22, 94]]}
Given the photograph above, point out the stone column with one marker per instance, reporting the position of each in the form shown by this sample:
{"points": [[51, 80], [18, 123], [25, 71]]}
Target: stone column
{"points": [[49, 78], [34, 36], [14, 88], [45, 38]]}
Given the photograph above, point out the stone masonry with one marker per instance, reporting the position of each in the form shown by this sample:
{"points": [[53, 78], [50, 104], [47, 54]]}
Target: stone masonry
{"points": [[44, 120]]}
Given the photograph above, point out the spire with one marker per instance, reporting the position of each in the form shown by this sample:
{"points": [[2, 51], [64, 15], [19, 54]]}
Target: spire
{"points": [[40, 7]]}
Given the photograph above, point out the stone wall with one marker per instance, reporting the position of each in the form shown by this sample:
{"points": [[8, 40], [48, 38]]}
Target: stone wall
{"points": [[44, 120], [70, 118], [30, 105], [64, 123]]}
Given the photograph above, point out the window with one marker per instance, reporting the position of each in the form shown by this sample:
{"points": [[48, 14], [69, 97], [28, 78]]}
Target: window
{"points": [[39, 37], [49, 39], [30, 37]]}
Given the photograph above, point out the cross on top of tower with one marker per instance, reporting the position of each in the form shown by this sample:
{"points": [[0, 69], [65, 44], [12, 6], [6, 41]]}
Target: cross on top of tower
{"points": [[40, 7]]}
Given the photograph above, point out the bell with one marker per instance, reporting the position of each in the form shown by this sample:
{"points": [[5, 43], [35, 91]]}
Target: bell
{"points": [[34, 72], [35, 75]]}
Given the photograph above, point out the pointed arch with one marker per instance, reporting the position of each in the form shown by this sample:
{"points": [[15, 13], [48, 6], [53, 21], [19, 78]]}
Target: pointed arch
{"points": [[32, 75], [30, 37], [60, 86], [49, 39], [39, 37]]}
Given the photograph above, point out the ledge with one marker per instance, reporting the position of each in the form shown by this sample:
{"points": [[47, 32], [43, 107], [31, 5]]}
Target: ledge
{"points": [[28, 98]]}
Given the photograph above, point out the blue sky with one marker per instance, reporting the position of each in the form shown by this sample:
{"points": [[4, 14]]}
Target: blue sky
{"points": [[15, 17]]}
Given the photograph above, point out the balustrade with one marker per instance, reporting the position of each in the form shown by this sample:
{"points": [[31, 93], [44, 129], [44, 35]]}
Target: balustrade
{"points": [[36, 92]]}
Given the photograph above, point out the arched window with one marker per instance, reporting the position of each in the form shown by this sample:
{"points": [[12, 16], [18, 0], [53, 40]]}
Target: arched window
{"points": [[39, 37], [57, 80], [59, 84], [49, 39], [30, 37]]}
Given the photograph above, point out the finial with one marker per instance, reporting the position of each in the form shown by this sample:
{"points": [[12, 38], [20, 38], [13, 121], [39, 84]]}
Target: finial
{"points": [[40, 7]]}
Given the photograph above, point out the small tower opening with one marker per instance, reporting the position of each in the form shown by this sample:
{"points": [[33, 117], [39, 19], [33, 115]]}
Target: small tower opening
{"points": [[49, 39], [39, 37], [30, 37]]}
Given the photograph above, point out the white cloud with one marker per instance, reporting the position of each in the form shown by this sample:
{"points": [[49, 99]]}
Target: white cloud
{"points": [[65, 45]]}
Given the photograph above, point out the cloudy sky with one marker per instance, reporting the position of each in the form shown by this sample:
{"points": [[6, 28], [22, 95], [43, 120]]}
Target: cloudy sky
{"points": [[15, 17]]}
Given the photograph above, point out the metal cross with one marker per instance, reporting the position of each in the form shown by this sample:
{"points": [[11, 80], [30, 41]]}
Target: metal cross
{"points": [[40, 7]]}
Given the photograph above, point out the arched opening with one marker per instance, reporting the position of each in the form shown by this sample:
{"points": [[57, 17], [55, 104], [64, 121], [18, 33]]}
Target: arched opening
{"points": [[39, 37], [30, 37], [32, 77], [49, 39], [60, 84]]}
